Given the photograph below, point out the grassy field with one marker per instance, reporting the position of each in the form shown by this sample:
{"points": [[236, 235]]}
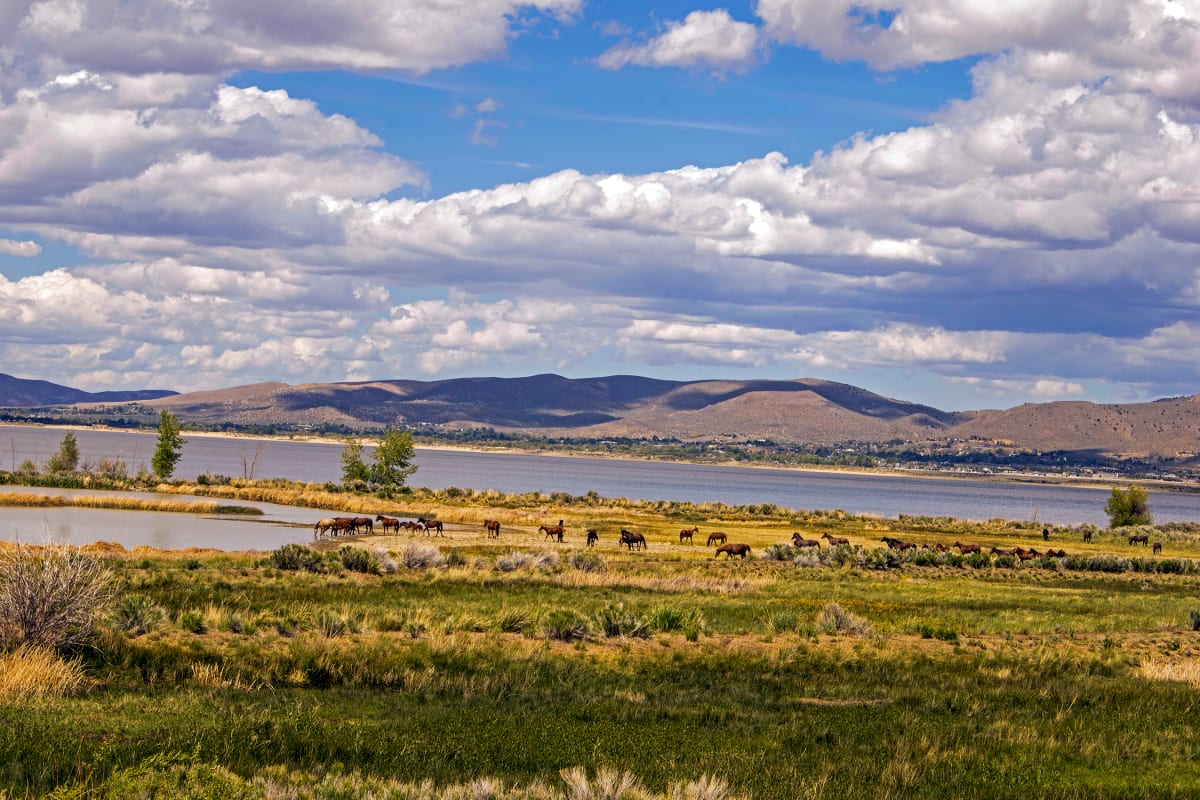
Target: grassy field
{"points": [[414, 666]]}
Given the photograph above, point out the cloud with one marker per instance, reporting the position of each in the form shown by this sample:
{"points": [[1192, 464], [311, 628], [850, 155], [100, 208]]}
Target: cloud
{"points": [[704, 38], [25, 249]]}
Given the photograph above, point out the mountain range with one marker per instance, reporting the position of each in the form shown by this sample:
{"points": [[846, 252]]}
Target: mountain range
{"points": [[625, 406]]}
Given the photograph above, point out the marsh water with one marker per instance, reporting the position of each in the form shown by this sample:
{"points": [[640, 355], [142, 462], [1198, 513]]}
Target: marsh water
{"points": [[881, 495]]}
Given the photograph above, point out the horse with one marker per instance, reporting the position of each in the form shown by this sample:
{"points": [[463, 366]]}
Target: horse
{"points": [[592, 537], [1027, 555], [1056, 554], [716, 536], [996, 551], [686, 533], [389, 523], [363, 522], [835, 539], [323, 526], [553, 531], [800, 541], [1045, 534], [1087, 536], [1156, 548], [732, 550], [1139, 538], [493, 528], [431, 525], [631, 538], [896, 544], [409, 525], [963, 549]]}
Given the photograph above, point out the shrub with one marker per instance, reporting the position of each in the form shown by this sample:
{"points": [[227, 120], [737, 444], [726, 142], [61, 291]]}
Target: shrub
{"points": [[298, 557], [387, 564], [193, 622], [565, 625], [51, 596], [588, 562], [137, 614], [616, 620], [421, 556], [357, 559], [516, 560], [835, 619]]}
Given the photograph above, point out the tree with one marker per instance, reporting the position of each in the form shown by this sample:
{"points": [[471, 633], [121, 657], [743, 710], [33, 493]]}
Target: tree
{"points": [[354, 469], [393, 459], [67, 457], [170, 445], [1130, 507]]}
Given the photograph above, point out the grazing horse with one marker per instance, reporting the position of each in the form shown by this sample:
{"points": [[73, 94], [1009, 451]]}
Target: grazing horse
{"points": [[431, 525], [963, 549], [388, 523], [631, 538], [323, 526], [732, 550], [800, 541], [1087, 536], [835, 539], [553, 531], [493, 528], [592, 537], [1139, 538], [896, 544], [686, 533], [1156, 548], [716, 536]]}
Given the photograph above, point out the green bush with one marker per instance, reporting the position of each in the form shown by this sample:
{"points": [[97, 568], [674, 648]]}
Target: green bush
{"points": [[565, 625], [616, 620], [357, 559], [137, 614]]}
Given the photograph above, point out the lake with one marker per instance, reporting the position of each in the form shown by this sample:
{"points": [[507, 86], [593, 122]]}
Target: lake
{"points": [[318, 462]]}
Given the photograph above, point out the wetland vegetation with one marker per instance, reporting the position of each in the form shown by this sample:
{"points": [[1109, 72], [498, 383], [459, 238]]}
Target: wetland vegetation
{"points": [[463, 666]]}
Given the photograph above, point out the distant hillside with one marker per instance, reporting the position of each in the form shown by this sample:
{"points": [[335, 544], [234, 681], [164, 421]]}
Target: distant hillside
{"points": [[619, 405], [22, 392]]}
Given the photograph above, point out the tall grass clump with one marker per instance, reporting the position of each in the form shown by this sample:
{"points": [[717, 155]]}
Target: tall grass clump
{"points": [[510, 562], [421, 556], [51, 596], [137, 614], [588, 562], [616, 620], [835, 619], [38, 672], [565, 625]]}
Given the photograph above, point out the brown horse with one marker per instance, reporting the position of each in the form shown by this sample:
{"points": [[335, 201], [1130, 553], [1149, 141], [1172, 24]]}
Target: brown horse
{"points": [[1027, 555], [409, 525], [686, 533], [716, 536], [493, 528], [428, 525], [388, 523], [732, 550], [363, 523], [632, 538], [1156, 548], [1056, 554], [896, 544], [1139, 538], [592, 537], [800, 541], [553, 531], [963, 549], [835, 539], [996, 551], [1087, 536]]}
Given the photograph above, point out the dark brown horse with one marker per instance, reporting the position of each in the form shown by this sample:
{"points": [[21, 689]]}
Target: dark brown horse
{"points": [[632, 538], [800, 541], [388, 523], [1056, 554], [553, 531], [428, 525], [409, 525], [686, 533], [896, 544], [1087, 536], [493, 528], [716, 536], [963, 549], [1156, 548], [363, 523], [1139, 538], [732, 550], [1027, 555], [592, 537], [835, 539]]}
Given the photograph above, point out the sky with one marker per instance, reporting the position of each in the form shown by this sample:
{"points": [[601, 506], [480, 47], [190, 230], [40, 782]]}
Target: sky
{"points": [[965, 203]]}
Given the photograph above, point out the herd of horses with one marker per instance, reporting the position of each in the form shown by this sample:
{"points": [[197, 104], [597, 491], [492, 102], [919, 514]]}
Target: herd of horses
{"points": [[338, 526]]}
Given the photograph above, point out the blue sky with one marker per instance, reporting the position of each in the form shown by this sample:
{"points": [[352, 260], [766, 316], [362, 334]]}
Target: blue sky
{"points": [[959, 203]]}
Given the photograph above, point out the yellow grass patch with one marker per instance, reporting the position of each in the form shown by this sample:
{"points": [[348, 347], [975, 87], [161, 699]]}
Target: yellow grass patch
{"points": [[1183, 671], [33, 672]]}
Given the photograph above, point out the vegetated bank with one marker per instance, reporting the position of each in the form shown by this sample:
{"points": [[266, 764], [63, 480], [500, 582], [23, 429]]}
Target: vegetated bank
{"points": [[466, 665]]}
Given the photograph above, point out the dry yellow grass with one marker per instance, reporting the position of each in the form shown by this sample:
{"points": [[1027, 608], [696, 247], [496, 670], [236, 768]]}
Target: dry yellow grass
{"points": [[35, 672], [1180, 670], [26, 500]]}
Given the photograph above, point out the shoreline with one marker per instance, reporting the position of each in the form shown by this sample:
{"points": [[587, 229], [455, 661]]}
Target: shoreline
{"points": [[1104, 483]]}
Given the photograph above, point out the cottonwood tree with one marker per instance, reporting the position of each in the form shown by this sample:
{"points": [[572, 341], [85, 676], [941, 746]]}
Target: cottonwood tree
{"points": [[170, 446], [393, 459], [354, 469], [67, 457], [1129, 507]]}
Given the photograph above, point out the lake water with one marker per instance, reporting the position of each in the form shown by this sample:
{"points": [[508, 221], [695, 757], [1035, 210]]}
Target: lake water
{"points": [[886, 496]]}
